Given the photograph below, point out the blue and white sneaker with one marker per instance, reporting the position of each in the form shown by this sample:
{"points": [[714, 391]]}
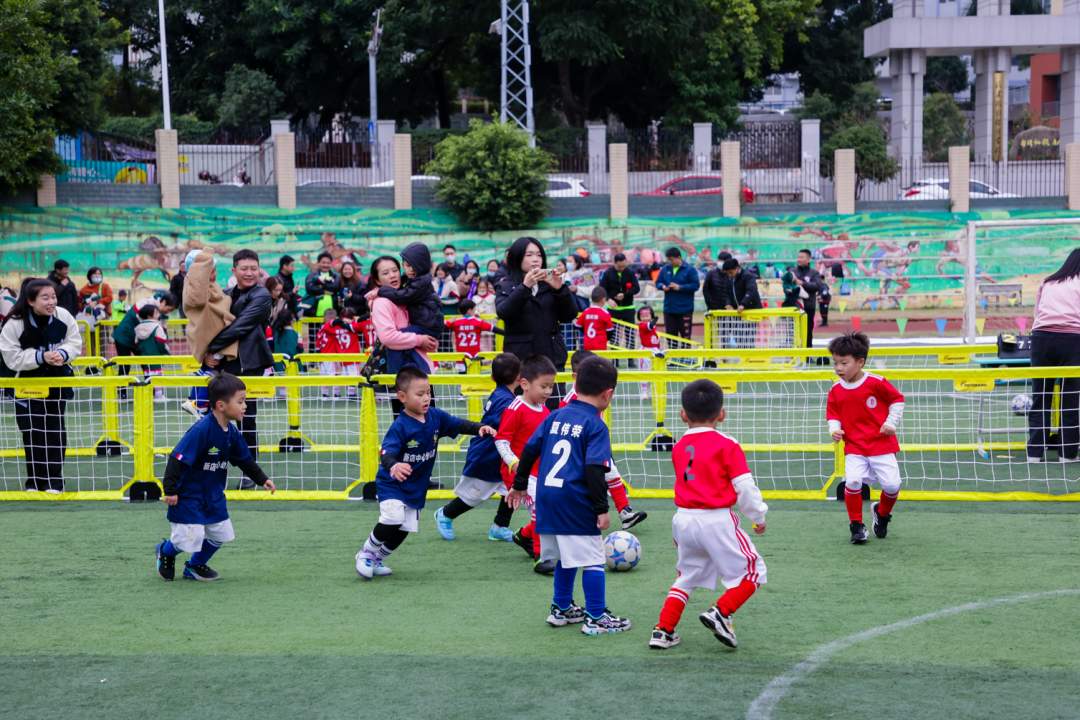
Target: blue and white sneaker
{"points": [[166, 564], [606, 623], [444, 524], [381, 570], [571, 615], [365, 566], [501, 533]]}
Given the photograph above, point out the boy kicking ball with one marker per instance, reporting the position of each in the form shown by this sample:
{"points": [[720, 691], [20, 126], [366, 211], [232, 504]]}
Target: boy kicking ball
{"points": [[195, 477], [711, 476], [864, 411]]}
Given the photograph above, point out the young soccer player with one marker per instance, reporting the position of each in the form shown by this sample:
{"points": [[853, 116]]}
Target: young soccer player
{"points": [[517, 425], [195, 477], [406, 462], [466, 331], [864, 411], [627, 515], [481, 477], [711, 476], [595, 322], [152, 340], [650, 340], [573, 449]]}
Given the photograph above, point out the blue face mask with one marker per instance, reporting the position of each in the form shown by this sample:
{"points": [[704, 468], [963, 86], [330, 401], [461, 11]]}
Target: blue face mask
{"points": [[95, 280]]}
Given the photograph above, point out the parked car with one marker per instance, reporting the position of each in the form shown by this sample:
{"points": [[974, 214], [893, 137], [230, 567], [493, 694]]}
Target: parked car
{"points": [[417, 181], [698, 185], [323, 183], [938, 189], [565, 186]]}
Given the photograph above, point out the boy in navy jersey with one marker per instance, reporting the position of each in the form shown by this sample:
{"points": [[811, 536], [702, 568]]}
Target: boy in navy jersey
{"points": [[194, 483], [574, 449], [405, 465], [480, 478], [711, 476], [864, 411]]}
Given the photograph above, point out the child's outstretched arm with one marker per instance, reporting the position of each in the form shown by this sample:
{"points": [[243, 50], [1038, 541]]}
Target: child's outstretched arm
{"points": [[520, 490]]}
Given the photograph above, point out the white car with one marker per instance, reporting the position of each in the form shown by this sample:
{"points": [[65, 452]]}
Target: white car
{"points": [[938, 189], [417, 181], [565, 186]]}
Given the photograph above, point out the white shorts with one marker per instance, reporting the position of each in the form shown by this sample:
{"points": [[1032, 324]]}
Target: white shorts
{"points": [[473, 491], [189, 538], [395, 512], [711, 545], [350, 368], [530, 497], [328, 368], [573, 550], [882, 469]]}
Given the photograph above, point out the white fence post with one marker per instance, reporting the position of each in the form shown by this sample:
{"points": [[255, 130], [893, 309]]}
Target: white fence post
{"points": [[703, 145], [844, 174], [168, 167], [959, 178], [730, 182], [811, 161], [619, 181]]}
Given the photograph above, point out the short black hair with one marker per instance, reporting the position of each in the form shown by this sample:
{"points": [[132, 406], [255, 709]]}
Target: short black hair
{"points": [[465, 306], [168, 299], [61, 264], [619, 257], [223, 386], [245, 254], [122, 293], [285, 260], [579, 357], [326, 255], [855, 344], [643, 308], [505, 369], [596, 375], [406, 375], [536, 365], [730, 264], [672, 252], [146, 311], [702, 400], [348, 313], [92, 270], [449, 247], [599, 294], [724, 255], [804, 250]]}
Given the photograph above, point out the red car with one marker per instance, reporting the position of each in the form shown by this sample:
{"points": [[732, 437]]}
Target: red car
{"points": [[698, 185]]}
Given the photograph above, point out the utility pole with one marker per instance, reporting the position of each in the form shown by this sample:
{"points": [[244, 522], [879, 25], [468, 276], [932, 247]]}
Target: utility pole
{"points": [[373, 127], [164, 66], [516, 96]]}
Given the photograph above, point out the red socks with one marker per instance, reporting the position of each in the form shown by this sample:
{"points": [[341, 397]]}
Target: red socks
{"points": [[673, 607], [733, 599], [618, 493], [853, 500], [887, 501], [529, 531]]}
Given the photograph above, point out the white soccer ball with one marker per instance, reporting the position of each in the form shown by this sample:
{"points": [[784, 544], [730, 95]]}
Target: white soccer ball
{"points": [[1021, 404], [623, 551]]}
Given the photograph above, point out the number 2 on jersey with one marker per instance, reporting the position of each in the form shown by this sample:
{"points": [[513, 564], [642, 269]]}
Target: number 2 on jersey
{"points": [[562, 449], [687, 475]]}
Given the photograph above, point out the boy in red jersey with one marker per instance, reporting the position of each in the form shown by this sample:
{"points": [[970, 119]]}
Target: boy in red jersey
{"points": [[595, 322], [650, 340], [711, 476], [864, 411], [339, 335], [467, 329], [627, 515], [518, 423]]}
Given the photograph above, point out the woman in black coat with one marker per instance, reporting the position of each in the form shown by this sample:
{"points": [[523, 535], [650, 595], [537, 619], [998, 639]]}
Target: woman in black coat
{"points": [[352, 291]]}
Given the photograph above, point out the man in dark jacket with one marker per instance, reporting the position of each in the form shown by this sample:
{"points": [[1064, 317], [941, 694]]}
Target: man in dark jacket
{"points": [[716, 290], [417, 294], [67, 295], [176, 287], [621, 286], [742, 294], [810, 283], [251, 306], [322, 286], [286, 268], [678, 281]]}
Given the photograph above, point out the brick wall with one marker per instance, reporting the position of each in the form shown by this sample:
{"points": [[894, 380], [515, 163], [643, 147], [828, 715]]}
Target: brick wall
{"points": [[228, 195]]}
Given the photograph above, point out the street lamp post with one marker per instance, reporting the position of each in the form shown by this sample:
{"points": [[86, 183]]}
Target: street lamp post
{"points": [[164, 66]]}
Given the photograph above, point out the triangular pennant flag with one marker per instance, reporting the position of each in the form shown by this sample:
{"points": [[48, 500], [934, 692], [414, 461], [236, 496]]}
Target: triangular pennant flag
{"points": [[941, 322], [1021, 322], [903, 305], [979, 323], [902, 324], [855, 321], [1012, 301], [843, 306], [982, 303], [873, 305]]}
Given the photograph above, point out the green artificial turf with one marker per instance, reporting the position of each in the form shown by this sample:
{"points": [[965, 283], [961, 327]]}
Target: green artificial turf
{"points": [[458, 631]]}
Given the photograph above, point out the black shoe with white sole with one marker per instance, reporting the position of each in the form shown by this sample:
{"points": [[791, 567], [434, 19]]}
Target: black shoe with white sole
{"points": [[525, 544], [662, 639], [570, 616], [720, 626], [199, 572], [544, 567], [631, 517], [881, 522], [166, 564], [859, 534]]}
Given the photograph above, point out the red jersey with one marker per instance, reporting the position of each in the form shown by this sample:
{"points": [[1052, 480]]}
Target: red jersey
{"points": [[706, 463], [861, 408], [338, 339], [518, 423], [368, 335], [650, 339], [595, 321], [466, 332]]}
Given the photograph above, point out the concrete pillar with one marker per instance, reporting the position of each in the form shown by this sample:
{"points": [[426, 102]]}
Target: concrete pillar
{"points": [[46, 194], [703, 144], [1072, 176], [844, 179], [386, 130], [168, 167], [620, 185], [1070, 95], [598, 160], [732, 174], [402, 171], [279, 126], [959, 178], [1057, 7], [811, 161], [908, 68], [987, 62], [908, 8], [285, 169]]}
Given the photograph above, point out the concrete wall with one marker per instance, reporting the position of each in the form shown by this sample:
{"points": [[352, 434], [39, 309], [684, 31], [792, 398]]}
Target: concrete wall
{"points": [[365, 197], [228, 195], [107, 195]]}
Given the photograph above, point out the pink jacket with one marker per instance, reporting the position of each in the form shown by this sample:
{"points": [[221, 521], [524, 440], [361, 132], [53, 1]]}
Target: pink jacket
{"points": [[388, 320], [1057, 307]]}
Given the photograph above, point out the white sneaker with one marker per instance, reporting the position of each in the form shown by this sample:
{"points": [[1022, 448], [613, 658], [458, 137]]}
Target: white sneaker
{"points": [[189, 407], [160, 398], [52, 491], [1034, 459], [381, 570], [365, 566], [1069, 460], [32, 490], [644, 395]]}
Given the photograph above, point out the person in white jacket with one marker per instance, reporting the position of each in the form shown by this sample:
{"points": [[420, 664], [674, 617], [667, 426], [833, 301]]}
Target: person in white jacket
{"points": [[38, 340]]}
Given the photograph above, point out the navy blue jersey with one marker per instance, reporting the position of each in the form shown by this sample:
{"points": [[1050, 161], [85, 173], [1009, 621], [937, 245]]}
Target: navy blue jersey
{"points": [[482, 461], [415, 443], [567, 441], [206, 449]]}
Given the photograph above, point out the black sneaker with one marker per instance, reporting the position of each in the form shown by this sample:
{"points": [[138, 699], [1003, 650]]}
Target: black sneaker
{"points": [[720, 625], [544, 567], [166, 564], [630, 517], [199, 572], [662, 639], [881, 522], [560, 618], [859, 535], [246, 484], [524, 543]]}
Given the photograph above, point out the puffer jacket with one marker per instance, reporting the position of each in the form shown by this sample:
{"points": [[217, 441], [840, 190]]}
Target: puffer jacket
{"points": [[252, 310], [717, 290], [531, 321], [417, 294]]}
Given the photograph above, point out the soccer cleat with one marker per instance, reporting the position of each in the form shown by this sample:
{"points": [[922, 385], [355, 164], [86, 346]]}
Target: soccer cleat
{"points": [[720, 625], [662, 639], [544, 567], [859, 535], [501, 533], [166, 564], [189, 407], [631, 517], [524, 543], [199, 572], [444, 524], [606, 623], [881, 522], [381, 570], [365, 566], [571, 615]]}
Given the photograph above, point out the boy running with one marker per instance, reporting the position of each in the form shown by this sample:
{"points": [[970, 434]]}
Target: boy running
{"points": [[595, 322]]}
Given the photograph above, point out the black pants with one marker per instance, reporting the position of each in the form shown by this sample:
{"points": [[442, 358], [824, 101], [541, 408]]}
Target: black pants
{"points": [[1052, 349], [248, 426], [45, 441], [679, 324]]}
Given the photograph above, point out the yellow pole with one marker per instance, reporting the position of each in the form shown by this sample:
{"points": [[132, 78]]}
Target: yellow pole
{"points": [[110, 407], [709, 336], [661, 438], [369, 435], [474, 403], [292, 369], [143, 448], [499, 338]]}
